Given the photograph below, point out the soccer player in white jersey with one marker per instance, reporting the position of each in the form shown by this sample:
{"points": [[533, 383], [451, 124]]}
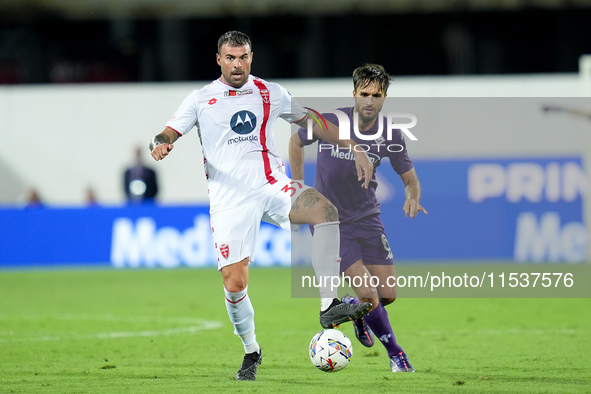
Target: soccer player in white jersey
{"points": [[234, 116]]}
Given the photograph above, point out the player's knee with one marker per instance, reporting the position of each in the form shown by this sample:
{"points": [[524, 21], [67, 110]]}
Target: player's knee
{"points": [[235, 285], [325, 212], [331, 213], [235, 276], [387, 301], [312, 207]]}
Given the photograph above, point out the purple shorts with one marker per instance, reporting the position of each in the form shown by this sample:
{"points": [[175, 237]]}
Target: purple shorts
{"points": [[365, 240]]}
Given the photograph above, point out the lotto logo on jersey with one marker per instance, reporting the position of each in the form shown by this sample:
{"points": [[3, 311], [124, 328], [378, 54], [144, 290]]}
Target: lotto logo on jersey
{"points": [[243, 122]]}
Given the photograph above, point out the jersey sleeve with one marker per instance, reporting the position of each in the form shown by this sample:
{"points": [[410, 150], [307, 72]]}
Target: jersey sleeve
{"points": [[185, 117], [400, 161], [303, 134], [291, 110]]}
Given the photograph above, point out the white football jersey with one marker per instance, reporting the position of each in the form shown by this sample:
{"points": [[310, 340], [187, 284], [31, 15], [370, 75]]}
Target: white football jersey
{"points": [[235, 126]]}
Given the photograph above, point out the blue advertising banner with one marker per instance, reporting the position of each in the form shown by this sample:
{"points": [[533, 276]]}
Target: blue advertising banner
{"points": [[134, 236], [486, 209]]}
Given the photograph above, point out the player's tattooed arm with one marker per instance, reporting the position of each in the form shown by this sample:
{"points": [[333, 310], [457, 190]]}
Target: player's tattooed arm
{"points": [[157, 140], [161, 144], [168, 136]]}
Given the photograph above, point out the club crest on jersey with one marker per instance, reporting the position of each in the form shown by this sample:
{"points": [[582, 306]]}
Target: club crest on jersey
{"points": [[232, 93], [243, 122], [225, 250], [265, 95]]}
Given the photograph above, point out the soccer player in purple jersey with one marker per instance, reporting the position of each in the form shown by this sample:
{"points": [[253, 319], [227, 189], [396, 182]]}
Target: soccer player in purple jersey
{"points": [[364, 248]]}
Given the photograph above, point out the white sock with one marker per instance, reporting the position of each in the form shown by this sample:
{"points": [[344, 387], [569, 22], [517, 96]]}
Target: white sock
{"points": [[325, 258], [241, 315], [325, 303]]}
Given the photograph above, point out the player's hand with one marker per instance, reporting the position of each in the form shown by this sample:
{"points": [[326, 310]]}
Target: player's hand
{"points": [[161, 151], [412, 208], [364, 168]]}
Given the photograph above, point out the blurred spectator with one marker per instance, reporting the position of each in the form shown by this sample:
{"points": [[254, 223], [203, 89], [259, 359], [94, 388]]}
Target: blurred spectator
{"points": [[34, 200], [140, 183], [90, 198]]}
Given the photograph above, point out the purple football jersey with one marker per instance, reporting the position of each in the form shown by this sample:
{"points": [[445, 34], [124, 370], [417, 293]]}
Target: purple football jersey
{"points": [[336, 175]]}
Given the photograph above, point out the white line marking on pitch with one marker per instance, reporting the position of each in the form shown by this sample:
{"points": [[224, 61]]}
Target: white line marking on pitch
{"points": [[192, 326]]}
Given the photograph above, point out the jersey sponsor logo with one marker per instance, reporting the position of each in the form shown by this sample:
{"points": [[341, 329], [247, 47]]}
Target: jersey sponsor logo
{"points": [[236, 140], [232, 93], [243, 122], [348, 155], [212, 101]]}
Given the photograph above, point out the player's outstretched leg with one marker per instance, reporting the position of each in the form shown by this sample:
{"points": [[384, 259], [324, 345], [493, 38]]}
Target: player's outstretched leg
{"points": [[379, 323], [362, 331], [250, 365], [339, 312]]}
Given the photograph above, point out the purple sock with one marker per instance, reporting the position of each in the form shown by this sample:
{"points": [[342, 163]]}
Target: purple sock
{"points": [[379, 323]]}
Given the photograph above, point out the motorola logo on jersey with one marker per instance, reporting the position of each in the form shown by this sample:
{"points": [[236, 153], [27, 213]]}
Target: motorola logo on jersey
{"points": [[243, 122]]}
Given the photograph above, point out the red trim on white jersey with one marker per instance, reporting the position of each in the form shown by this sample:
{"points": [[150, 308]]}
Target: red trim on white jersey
{"points": [[263, 137], [299, 120]]}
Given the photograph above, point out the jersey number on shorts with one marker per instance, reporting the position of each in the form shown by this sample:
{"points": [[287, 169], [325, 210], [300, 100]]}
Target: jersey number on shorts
{"points": [[291, 190]]}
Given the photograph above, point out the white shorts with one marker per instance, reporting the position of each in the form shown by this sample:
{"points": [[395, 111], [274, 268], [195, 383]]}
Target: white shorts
{"points": [[235, 230]]}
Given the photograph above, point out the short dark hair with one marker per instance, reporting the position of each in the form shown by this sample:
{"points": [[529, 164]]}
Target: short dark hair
{"points": [[369, 73], [234, 39]]}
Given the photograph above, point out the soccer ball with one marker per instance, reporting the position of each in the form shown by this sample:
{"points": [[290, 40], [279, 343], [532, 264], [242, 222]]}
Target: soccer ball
{"points": [[330, 350]]}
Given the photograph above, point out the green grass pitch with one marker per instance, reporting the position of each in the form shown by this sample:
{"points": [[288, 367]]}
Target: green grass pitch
{"points": [[167, 331]]}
